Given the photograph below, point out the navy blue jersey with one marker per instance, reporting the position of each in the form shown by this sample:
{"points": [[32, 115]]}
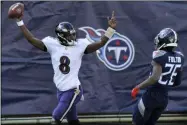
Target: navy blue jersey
{"points": [[172, 64]]}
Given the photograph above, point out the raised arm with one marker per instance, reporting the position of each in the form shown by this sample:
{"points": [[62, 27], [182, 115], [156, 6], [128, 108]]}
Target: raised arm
{"points": [[108, 34], [29, 36], [16, 12]]}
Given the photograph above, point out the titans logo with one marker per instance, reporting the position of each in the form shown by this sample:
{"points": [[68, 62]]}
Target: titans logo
{"points": [[117, 54]]}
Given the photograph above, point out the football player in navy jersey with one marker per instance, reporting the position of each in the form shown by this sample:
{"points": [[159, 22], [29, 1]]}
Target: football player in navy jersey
{"points": [[167, 65]]}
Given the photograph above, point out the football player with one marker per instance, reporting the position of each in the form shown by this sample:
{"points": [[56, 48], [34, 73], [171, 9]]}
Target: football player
{"points": [[167, 65], [66, 53]]}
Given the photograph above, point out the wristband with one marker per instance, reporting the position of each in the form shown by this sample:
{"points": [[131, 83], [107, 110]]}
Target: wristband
{"points": [[20, 23], [109, 32]]}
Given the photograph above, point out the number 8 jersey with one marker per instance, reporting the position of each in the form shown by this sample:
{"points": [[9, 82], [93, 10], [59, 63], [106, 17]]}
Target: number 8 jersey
{"points": [[172, 64], [66, 61]]}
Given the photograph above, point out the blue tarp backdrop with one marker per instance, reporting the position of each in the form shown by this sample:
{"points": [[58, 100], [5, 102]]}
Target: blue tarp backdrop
{"points": [[107, 77]]}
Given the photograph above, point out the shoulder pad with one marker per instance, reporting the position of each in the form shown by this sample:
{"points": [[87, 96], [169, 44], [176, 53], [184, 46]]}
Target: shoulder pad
{"points": [[48, 38], [51, 37], [180, 53], [158, 53], [87, 41], [83, 41]]}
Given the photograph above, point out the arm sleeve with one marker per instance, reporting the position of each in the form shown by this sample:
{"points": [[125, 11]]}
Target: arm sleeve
{"points": [[83, 45]]}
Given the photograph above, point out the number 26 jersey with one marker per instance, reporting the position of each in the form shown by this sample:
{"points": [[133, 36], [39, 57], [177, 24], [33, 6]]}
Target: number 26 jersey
{"points": [[172, 64]]}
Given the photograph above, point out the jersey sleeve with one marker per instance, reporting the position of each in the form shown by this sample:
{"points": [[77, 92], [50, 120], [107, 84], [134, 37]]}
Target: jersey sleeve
{"points": [[83, 44], [158, 56], [47, 42]]}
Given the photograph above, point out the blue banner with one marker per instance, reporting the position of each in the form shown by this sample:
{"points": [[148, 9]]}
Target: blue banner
{"points": [[107, 77]]}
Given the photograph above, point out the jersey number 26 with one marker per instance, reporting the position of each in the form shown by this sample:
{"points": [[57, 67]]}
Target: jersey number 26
{"points": [[172, 73]]}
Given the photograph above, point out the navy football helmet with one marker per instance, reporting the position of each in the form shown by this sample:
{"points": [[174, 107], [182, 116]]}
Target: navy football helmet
{"points": [[167, 37], [66, 33]]}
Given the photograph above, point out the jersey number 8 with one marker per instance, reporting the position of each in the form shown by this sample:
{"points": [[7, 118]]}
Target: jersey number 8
{"points": [[64, 65]]}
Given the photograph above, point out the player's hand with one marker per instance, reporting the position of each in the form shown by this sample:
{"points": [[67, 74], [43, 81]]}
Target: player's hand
{"points": [[112, 22], [134, 92]]}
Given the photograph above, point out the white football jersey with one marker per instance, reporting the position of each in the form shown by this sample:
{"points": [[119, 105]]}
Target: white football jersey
{"points": [[66, 61]]}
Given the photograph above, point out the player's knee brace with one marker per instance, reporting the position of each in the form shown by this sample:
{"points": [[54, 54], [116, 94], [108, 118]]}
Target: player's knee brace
{"points": [[74, 122]]}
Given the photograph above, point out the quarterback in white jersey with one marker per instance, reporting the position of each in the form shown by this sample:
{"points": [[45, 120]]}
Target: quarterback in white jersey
{"points": [[66, 61], [66, 53]]}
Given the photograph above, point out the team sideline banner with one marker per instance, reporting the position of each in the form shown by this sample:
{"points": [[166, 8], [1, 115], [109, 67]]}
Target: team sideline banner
{"points": [[108, 75]]}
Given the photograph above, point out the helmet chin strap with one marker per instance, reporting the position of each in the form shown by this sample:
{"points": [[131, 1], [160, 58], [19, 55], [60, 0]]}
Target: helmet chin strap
{"points": [[163, 45], [70, 43]]}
